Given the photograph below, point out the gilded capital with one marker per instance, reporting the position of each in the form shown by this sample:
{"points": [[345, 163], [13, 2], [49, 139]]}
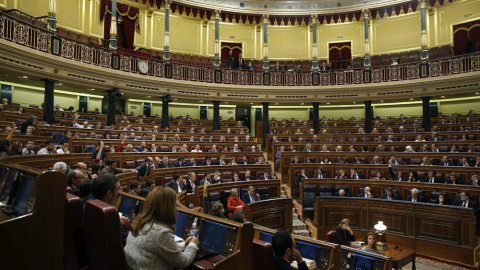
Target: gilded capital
{"points": [[314, 19], [217, 14], [366, 13], [265, 18], [423, 3], [167, 4]]}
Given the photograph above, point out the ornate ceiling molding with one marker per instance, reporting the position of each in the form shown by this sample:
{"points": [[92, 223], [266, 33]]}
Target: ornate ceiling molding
{"points": [[291, 8]]}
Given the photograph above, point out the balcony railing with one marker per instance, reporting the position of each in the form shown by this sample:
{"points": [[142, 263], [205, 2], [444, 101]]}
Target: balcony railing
{"points": [[14, 29]]}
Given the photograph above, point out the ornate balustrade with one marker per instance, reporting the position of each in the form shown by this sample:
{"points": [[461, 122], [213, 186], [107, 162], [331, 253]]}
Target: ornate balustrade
{"points": [[34, 37]]}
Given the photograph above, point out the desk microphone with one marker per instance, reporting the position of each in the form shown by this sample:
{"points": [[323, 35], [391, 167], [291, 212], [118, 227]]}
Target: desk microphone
{"points": [[397, 248]]}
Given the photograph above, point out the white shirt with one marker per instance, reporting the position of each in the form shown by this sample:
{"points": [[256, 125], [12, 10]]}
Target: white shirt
{"points": [[61, 152], [195, 150]]}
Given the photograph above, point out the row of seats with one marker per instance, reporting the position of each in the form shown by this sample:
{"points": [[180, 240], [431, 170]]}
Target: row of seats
{"points": [[222, 197], [409, 57], [89, 40], [226, 176]]}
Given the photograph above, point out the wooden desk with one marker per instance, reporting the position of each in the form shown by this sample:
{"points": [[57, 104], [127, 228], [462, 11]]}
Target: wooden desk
{"points": [[272, 213], [402, 257]]}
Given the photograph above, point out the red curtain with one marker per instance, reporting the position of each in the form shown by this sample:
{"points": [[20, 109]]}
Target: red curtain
{"points": [[335, 50], [227, 46], [461, 32], [130, 20]]}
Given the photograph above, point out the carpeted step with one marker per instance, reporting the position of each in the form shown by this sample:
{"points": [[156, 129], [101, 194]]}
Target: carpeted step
{"points": [[305, 233], [298, 225]]}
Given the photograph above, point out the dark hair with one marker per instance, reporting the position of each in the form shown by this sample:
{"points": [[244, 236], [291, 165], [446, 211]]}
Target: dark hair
{"points": [[103, 184], [237, 216], [178, 175], [70, 176], [281, 241], [105, 134], [149, 183], [466, 193], [30, 120], [99, 143], [216, 212], [85, 189], [48, 142], [134, 184], [95, 168], [111, 161]]}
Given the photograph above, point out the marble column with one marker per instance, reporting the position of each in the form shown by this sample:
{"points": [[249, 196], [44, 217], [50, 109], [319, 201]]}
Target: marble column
{"points": [[112, 94], [266, 125], [366, 58], [426, 122], [424, 43], [316, 117], [216, 115], [216, 59], [52, 16], [48, 100], [166, 45], [265, 43], [368, 116], [314, 47], [113, 27]]}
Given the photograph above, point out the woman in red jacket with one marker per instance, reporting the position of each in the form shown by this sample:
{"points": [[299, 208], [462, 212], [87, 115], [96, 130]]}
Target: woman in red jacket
{"points": [[234, 203]]}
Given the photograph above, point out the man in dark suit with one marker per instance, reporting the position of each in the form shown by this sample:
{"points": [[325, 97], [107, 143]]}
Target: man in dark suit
{"points": [[396, 176], [320, 174], [164, 163], [245, 161], [247, 176], [285, 253], [208, 161], [431, 178], [355, 175], [180, 162], [250, 196], [389, 195], [266, 175], [473, 180], [239, 62], [216, 177], [277, 67], [250, 66], [144, 168], [466, 202], [366, 193], [324, 67], [446, 162], [434, 138], [394, 161], [434, 149], [193, 162], [191, 182], [415, 197], [302, 175], [230, 59], [177, 184]]}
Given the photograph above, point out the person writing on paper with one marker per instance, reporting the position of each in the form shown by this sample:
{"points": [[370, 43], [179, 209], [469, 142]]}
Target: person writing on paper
{"points": [[370, 244], [344, 234], [154, 225], [285, 253]]}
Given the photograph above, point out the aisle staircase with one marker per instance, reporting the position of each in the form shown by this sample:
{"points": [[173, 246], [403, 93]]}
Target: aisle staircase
{"points": [[299, 226]]}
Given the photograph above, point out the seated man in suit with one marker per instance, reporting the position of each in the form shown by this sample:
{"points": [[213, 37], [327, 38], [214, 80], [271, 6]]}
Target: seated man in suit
{"points": [[394, 161], [342, 193], [301, 175], [366, 193], [376, 160], [285, 253], [266, 175], [396, 176], [239, 62], [191, 182], [321, 174], [466, 202], [247, 176], [434, 137], [389, 195], [164, 163], [208, 161], [193, 162], [144, 168], [434, 148], [414, 197], [473, 180], [230, 59], [75, 180], [277, 67], [355, 175], [250, 66], [446, 162], [177, 184], [135, 188], [245, 160], [431, 178], [324, 67], [180, 162], [250, 196]]}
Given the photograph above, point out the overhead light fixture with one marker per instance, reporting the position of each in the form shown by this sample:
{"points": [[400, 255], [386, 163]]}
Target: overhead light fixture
{"points": [[201, 101], [25, 77], [328, 103], [226, 101], [354, 102], [176, 99], [442, 96], [411, 98], [302, 103], [60, 83], [381, 100], [148, 96], [251, 103], [276, 103], [476, 93]]}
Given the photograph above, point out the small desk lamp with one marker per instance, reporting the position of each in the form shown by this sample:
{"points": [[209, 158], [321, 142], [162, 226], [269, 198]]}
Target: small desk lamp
{"points": [[381, 228]]}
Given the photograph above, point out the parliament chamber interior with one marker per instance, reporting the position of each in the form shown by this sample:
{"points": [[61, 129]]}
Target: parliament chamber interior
{"points": [[264, 117]]}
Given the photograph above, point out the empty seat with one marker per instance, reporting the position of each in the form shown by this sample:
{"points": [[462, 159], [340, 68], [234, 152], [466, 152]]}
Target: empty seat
{"points": [[329, 236], [263, 192], [213, 197], [103, 236], [309, 197], [74, 250], [129, 164], [326, 191]]}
